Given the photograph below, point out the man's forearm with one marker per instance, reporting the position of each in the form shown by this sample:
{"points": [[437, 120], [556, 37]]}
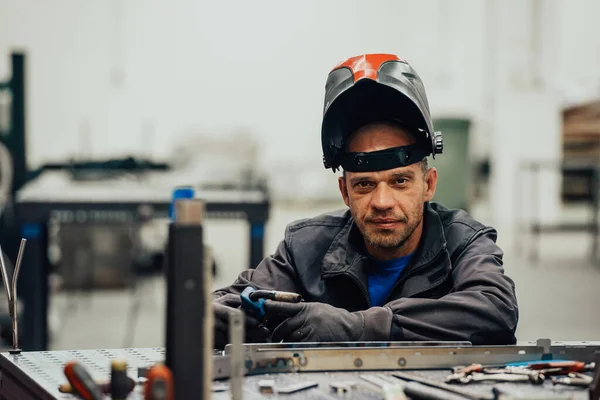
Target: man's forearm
{"points": [[476, 316]]}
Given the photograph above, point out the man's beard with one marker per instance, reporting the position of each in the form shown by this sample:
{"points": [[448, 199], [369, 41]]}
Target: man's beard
{"points": [[388, 238]]}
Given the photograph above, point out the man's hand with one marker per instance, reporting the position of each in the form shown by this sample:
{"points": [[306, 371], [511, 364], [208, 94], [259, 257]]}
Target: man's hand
{"points": [[221, 308], [314, 322]]}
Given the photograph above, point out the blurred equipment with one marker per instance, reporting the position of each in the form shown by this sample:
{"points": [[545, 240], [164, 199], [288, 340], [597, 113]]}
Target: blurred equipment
{"points": [[109, 230], [581, 143], [580, 171], [456, 168]]}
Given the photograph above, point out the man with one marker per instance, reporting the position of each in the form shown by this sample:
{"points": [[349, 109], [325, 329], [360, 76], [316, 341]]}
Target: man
{"points": [[394, 266]]}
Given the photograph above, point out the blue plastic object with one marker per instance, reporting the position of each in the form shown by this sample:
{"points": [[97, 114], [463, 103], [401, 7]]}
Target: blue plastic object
{"points": [[183, 192], [254, 308], [526, 363]]}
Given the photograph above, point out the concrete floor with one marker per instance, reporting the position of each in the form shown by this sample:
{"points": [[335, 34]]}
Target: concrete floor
{"points": [[558, 295]]}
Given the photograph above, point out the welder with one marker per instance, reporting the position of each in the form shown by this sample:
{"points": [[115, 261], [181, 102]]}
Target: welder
{"points": [[394, 265]]}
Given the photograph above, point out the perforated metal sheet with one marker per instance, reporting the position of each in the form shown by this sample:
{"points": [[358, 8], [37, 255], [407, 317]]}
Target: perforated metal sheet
{"points": [[43, 371], [46, 367]]}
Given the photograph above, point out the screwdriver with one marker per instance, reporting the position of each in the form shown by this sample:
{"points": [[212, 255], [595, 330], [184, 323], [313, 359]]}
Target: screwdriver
{"points": [[159, 385], [566, 367], [81, 381]]}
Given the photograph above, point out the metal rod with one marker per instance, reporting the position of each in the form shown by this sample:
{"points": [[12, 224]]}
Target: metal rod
{"points": [[5, 278], [15, 319], [236, 338]]}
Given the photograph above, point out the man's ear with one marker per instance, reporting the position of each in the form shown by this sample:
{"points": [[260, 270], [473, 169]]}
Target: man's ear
{"points": [[431, 178], [344, 190]]}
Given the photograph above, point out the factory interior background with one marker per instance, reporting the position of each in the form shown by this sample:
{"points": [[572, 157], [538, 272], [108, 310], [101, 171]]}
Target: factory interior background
{"points": [[228, 96]]}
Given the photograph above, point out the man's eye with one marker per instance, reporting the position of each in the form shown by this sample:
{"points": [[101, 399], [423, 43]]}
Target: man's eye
{"points": [[363, 185], [401, 181]]}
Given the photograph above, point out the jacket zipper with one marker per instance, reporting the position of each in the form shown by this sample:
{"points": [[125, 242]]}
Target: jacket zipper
{"points": [[411, 273], [358, 283], [362, 288]]}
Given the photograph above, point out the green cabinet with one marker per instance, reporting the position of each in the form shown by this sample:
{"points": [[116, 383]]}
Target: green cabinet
{"points": [[454, 165]]}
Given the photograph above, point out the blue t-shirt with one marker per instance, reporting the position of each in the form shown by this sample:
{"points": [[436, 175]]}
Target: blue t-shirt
{"points": [[383, 277]]}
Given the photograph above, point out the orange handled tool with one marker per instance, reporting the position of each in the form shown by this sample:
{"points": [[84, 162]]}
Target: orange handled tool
{"points": [[563, 367], [159, 384], [82, 382]]}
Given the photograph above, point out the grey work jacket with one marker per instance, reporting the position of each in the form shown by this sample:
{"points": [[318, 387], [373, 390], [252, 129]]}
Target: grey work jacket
{"points": [[454, 287]]}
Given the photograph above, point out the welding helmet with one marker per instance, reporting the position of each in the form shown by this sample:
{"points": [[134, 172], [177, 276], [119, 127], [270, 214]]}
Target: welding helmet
{"points": [[376, 88]]}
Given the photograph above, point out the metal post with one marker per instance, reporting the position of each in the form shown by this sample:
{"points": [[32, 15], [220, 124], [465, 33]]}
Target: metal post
{"points": [[236, 339], [189, 330], [16, 139], [34, 288]]}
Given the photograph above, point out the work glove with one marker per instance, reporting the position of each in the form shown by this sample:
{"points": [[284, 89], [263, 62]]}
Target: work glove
{"points": [[222, 306], [314, 322]]}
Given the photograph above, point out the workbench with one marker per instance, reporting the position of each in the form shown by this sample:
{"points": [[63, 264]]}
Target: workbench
{"points": [[54, 195], [37, 375]]}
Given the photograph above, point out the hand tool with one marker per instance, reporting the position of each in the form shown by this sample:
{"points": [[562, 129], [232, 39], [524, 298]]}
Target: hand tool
{"points": [[11, 294], [82, 382], [460, 372], [534, 378], [564, 366], [449, 388], [468, 369], [104, 386], [572, 380], [253, 300], [119, 384], [159, 384]]}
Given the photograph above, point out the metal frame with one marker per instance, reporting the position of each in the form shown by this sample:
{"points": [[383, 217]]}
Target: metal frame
{"points": [[535, 227], [33, 218]]}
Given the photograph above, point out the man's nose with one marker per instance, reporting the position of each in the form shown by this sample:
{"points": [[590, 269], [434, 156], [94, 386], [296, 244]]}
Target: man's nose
{"points": [[383, 197]]}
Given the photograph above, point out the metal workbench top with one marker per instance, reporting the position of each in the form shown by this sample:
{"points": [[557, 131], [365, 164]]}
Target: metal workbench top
{"points": [[38, 375]]}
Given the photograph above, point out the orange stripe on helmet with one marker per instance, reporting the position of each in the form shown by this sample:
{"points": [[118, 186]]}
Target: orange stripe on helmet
{"points": [[366, 65]]}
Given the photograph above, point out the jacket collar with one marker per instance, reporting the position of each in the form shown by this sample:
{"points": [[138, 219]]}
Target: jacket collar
{"points": [[347, 249]]}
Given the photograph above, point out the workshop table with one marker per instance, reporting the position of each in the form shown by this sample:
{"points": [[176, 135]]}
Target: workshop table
{"points": [[38, 375], [55, 195]]}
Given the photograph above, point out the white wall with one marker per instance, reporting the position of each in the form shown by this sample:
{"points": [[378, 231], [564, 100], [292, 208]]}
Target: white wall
{"points": [[139, 75]]}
